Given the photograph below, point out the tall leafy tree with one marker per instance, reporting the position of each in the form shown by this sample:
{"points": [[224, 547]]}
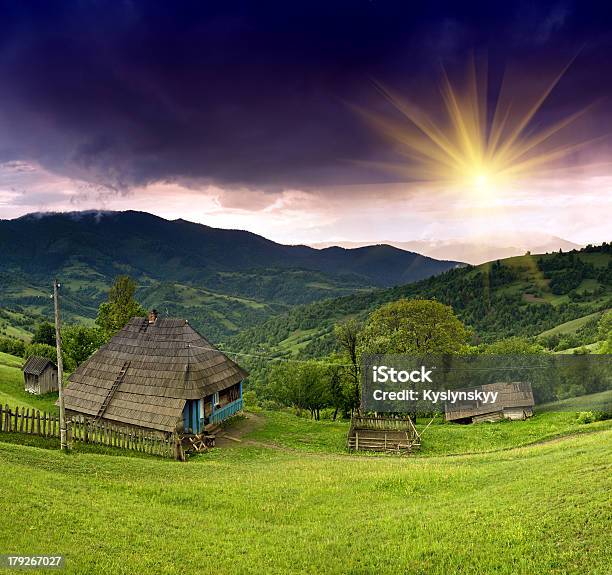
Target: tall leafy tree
{"points": [[413, 326], [347, 336], [304, 385], [120, 307]]}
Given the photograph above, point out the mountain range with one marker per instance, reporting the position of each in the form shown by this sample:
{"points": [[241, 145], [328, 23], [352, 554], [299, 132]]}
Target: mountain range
{"points": [[475, 250], [223, 280]]}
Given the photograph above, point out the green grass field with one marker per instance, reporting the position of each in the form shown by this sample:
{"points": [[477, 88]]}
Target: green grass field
{"points": [[250, 509]]}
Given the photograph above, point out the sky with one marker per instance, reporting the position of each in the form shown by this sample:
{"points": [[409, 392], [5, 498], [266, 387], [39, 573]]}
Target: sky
{"points": [[267, 116]]}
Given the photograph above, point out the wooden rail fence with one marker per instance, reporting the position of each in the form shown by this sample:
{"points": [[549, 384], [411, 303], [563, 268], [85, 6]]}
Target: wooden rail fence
{"points": [[35, 422]]}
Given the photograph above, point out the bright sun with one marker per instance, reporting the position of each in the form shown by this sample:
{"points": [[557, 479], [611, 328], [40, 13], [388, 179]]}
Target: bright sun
{"points": [[480, 180], [465, 146]]}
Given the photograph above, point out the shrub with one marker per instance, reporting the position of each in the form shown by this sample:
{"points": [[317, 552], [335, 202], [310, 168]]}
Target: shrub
{"points": [[591, 416], [41, 349], [13, 346]]}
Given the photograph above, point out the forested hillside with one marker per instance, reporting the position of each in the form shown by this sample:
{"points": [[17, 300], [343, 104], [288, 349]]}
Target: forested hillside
{"points": [[222, 280], [523, 295]]}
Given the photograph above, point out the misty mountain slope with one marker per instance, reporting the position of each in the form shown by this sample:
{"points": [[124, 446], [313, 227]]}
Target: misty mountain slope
{"points": [[155, 246], [223, 280]]}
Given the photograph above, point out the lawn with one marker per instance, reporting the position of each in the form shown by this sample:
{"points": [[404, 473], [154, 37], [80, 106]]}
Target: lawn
{"points": [[12, 387], [539, 509], [285, 430]]}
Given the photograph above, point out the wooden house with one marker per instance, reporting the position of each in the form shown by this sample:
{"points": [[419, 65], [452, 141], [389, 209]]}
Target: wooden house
{"points": [[514, 401], [158, 374], [40, 375]]}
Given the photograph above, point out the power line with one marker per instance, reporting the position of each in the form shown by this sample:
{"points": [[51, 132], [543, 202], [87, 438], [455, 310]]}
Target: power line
{"points": [[268, 357]]}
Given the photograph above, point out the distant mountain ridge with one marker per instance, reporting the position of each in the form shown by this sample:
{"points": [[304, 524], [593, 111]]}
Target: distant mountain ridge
{"points": [[474, 251], [221, 279], [51, 239]]}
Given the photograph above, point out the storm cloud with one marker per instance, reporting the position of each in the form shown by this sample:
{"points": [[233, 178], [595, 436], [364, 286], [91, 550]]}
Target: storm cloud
{"points": [[252, 95]]}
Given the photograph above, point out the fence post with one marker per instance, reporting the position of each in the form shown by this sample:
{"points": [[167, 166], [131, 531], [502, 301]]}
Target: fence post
{"points": [[179, 454]]}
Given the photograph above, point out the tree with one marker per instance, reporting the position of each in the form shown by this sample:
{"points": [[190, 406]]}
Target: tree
{"points": [[604, 331], [79, 342], [303, 385], [44, 333], [120, 307], [413, 326], [41, 350], [347, 336]]}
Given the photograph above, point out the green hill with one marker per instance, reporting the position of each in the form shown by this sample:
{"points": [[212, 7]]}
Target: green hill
{"points": [[524, 295], [573, 325], [274, 509], [222, 280]]}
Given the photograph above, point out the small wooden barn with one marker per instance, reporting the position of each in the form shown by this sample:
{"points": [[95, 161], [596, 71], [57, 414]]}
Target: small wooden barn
{"points": [[376, 433], [40, 375], [158, 374], [514, 401]]}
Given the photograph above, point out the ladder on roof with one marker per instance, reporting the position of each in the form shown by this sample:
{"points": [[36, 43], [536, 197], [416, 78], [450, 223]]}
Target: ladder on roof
{"points": [[112, 390]]}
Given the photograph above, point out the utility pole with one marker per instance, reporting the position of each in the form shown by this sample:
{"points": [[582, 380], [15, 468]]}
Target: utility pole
{"points": [[60, 366]]}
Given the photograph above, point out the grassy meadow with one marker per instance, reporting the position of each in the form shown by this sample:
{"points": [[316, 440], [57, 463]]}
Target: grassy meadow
{"points": [[255, 509]]}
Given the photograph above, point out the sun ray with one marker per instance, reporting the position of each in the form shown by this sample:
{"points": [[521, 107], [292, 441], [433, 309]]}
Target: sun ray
{"points": [[466, 147]]}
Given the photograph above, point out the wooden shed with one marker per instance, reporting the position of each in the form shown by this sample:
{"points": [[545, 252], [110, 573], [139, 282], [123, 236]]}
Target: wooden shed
{"points": [[158, 374], [40, 375], [376, 433], [514, 401]]}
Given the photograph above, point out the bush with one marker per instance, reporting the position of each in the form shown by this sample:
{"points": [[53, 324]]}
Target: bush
{"points": [[13, 346], [591, 416], [41, 349]]}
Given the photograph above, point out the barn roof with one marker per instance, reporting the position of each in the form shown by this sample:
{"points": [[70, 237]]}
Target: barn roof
{"points": [[35, 365], [513, 394], [156, 367]]}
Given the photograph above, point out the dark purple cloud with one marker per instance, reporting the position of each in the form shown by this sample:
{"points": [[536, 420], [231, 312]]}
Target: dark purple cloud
{"points": [[251, 94]]}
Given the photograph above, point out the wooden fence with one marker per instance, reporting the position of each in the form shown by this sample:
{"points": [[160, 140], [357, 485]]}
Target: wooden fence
{"points": [[35, 422]]}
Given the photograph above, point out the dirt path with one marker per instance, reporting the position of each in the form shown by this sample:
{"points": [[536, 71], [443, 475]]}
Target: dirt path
{"points": [[233, 435]]}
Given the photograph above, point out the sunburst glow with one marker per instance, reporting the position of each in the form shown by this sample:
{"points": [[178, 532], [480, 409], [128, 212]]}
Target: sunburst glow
{"points": [[470, 146]]}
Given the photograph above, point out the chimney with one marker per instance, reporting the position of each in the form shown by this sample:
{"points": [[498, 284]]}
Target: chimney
{"points": [[152, 316]]}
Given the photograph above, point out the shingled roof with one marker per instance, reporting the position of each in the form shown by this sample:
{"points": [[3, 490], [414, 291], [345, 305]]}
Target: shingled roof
{"points": [[158, 366], [36, 365], [509, 395]]}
